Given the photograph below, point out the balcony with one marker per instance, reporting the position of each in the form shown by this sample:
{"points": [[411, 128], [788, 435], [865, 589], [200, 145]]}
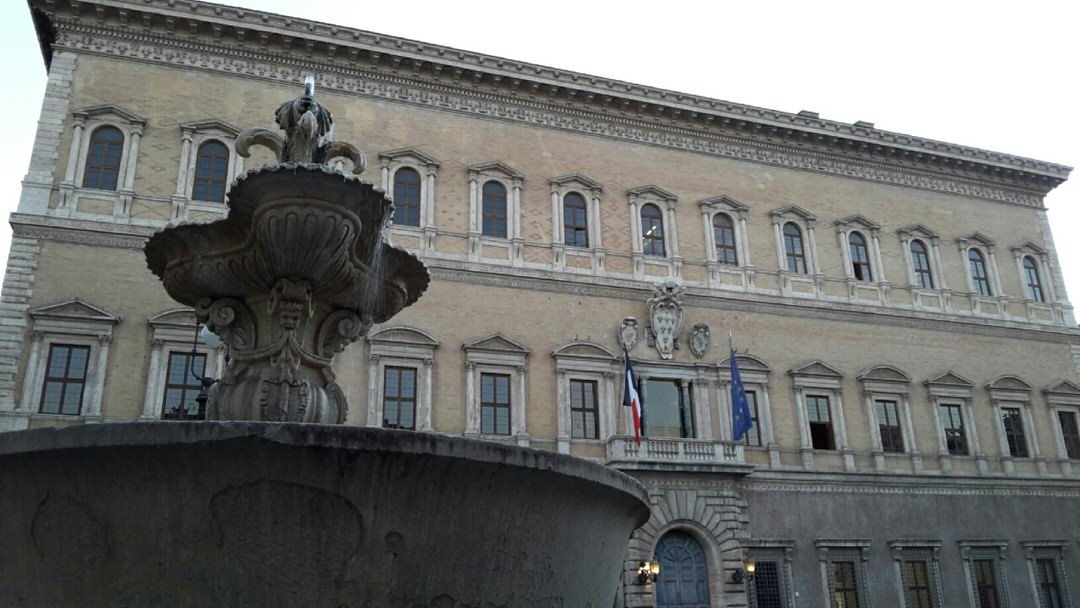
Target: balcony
{"points": [[674, 454]]}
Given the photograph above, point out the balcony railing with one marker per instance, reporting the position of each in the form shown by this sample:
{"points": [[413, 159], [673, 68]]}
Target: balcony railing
{"points": [[625, 452]]}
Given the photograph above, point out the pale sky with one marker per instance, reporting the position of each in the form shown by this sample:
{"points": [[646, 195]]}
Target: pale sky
{"points": [[988, 74]]}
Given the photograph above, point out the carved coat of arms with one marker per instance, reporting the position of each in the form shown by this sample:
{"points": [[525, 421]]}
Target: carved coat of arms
{"points": [[628, 333], [699, 340], [666, 316]]}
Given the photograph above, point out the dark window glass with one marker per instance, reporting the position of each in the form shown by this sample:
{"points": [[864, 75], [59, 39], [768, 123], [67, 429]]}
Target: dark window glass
{"points": [[1031, 278], [181, 387], [724, 235], [860, 257], [1070, 432], [753, 436], [767, 590], [103, 159], [952, 422], [892, 439], [575, 220], [65, 379], [584, 409], [986, 592], [1014, 431], [211, 172], [916, 585], [407, 197], [845, 587], [399, 398], [495, 404], [793, 249], [821, 429], [979, 281], [1046, 584], [668, 411], [652, 230], [920, 262], [493, 214]]}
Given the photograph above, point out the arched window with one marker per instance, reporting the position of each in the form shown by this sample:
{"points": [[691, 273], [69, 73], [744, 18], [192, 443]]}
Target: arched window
{"points": [[684, 573], [493, 214], [1031, 279], [920, 263], [575, 220], [652, 230], [980, 282], [724, 235], [406, 197], [793, 249], [211, 173], [860, 258], [103, 161]]}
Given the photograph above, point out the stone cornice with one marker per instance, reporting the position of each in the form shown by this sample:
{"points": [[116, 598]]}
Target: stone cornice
{"points": [[129, 236], [281, 48]]}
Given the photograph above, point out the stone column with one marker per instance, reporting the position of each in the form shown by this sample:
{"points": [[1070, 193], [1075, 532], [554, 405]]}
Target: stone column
{"points": [[374, 417], [518, 417], [93, 402], [151, 402], [32, 377], [424, 405], [562, 413], [472, 402]]}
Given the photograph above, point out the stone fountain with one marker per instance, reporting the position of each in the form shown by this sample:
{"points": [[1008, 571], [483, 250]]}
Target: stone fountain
{"points": [[273, 501]]}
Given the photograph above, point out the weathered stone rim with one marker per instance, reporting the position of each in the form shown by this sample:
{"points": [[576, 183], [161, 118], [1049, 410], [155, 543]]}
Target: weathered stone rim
{"points": [[348, 438]]}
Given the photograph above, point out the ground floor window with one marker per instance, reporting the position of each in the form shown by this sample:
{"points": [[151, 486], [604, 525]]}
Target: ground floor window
{"points": [[495, 404], [821, 427], [65, 379], [182, 387], [399, 398]]}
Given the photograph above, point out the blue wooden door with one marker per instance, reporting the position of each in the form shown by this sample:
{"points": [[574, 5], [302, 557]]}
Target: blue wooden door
{"points": [[684, 576]]}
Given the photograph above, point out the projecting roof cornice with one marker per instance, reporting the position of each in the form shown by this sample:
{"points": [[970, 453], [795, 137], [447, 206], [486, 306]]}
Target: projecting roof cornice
{"points": [[685, 121]]}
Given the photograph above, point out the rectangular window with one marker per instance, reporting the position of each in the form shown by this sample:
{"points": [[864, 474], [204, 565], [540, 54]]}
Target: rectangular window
{"points": [[668, 409], [916, 585], [892, 438], [952, 422], [1047, 585], [399, 398], [584, 409], [1014, 432], [986, 591], [1070, 432], [767, 590], [65, 379], [495, 404], [753, 436], [845, 587], [821, 429], [182, 387]]}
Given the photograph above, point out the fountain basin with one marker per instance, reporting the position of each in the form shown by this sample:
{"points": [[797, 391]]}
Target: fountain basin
{"points": [[283, 514]]}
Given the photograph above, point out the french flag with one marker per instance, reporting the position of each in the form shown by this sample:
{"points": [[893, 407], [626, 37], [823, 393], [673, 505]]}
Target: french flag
{"points": [[631, 398]]}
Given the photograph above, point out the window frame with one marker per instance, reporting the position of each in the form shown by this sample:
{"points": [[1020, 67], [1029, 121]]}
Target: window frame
{"points": [[743, 268], [497, 221], [1031, 279], [818, 379], [780, 552], [592, 362], [931, 242], [65, 379], [1053, 551], [924, 270], [977, 272], [730, 250], [192, 137], [1009, 393], [427, 167], [1063, 396], [791, 257], [984, 249], [665, 202], [649, 240], [512, 245], [386, 398], [835, 551], [906, 551], [952, 388], [68, 322], [401, 346], [857, 226], [496, 354], [564, 253], [492, 402], [889, 383], [173, 331], [86, 121], [192, 383], [860, 264], [99, 169], [994, 551], [196, 180], [416, 206]]}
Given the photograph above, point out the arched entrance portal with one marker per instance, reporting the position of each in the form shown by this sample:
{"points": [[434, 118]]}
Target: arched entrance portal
{"points": [[684, 576]]}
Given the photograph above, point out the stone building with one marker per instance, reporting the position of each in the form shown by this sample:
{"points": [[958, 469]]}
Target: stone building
{"points": [[897, 305]]}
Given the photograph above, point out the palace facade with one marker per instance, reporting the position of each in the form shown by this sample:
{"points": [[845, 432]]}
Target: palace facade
{"points": [[902, 328]]}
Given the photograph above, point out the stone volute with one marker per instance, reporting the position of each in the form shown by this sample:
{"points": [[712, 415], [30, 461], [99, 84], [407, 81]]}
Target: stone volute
{"points": [[297, 271]]}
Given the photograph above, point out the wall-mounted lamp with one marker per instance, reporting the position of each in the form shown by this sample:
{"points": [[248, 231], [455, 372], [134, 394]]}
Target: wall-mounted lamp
{"points": [[648, 572], [740, 574], [211, 340]]}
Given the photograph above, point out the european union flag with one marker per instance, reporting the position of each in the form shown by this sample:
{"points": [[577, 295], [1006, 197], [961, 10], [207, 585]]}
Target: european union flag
{"points": [[741, 420]]}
